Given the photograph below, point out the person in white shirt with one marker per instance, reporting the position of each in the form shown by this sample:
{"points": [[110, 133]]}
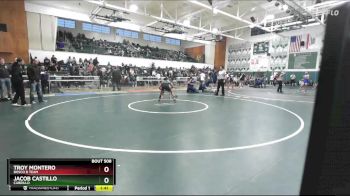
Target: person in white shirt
{"points": [[221, 81], [236, 81], [306, 82], [279, 78], [272, 78], [292, 79], [201, 81]]}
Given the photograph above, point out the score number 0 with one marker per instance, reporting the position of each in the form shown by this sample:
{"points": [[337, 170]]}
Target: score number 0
{"points": [[106, 179]]}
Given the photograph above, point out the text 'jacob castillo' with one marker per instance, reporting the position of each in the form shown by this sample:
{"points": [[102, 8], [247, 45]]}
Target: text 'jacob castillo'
{"points": [[28, 179], [32, 169]]}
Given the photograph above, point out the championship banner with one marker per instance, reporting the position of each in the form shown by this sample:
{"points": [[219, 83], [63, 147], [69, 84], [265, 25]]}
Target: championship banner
{"points": [[260, 48]]}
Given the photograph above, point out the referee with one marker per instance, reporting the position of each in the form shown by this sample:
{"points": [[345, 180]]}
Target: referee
{"points": [[221, 81]]}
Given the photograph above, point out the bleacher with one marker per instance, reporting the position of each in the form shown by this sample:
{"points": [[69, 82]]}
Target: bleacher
{"points": [[66, 41]]}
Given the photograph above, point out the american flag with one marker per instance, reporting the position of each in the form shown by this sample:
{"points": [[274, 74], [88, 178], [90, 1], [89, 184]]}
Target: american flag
{"points": [[295, 43], [308, 41]]}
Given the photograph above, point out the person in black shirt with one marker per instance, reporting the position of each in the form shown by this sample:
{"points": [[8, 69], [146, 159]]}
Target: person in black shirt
{"points": [[33, 72], [53, 59], [17, 82], [95, 62], [100, 75], [5, 80], [46, 62], [116, 77]]}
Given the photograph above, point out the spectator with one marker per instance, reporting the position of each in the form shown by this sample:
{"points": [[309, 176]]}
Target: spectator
{"points": [[132, 79], [100, 75], [74, 61], [5, 80], [201, 81], [33, 72], [241, 80], [44, 76], [17, 82], [53, 59], [292, 79], [191, 85], [215, 77], [116, 77], [95, 62], [90, 69], [46, 62], [279, 78]]}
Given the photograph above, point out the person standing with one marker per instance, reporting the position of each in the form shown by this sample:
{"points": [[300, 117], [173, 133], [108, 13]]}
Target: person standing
{"points": [[5, 80], [201, 81], [221, 81], [306, 82], [292, 79], [33, 72], [116, 77], [241, 80], [17, 82], [279, 78], [166, 85]]}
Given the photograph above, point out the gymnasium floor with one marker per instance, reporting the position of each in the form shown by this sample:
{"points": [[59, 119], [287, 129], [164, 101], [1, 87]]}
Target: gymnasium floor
{"points": [[252, 141]]}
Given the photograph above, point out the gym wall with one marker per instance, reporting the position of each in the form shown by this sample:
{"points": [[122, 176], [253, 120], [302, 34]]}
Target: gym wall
{"points": [[316, 32], [14, 42]]}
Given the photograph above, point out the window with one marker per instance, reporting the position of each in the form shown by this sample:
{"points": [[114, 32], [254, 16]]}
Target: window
{"points": [[3, 27], [66, 23], [135, 35], [146, 37], [127, 33], [87, 27], [173, 41], [96, 28], [105, 30], [152, 38]]}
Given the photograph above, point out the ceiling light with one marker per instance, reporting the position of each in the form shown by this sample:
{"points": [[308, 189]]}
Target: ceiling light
{"points": [[215, 30], [253, 9], [251, 26], [270, 17], [133, 7], [311, 24], [285, 7], [215, 11], [187, 22]]}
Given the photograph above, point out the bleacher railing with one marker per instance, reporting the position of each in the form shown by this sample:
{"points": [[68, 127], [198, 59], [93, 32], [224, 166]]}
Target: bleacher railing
{"points": [[146, 80]]}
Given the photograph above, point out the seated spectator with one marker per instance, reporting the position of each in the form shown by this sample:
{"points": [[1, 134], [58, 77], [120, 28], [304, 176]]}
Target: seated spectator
{"points": [[53, 59], [47, 62], [5, 81], [191, 85]]}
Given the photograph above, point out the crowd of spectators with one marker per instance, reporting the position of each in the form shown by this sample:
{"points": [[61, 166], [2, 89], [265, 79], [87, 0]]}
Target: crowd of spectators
{"points": [[66, 41], [129, 72], [197, 79]]}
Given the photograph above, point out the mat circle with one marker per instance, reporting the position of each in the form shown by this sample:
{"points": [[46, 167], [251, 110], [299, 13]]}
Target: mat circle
{"points": [[130, 106]]}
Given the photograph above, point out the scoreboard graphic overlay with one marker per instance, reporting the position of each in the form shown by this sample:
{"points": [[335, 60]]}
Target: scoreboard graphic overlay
{"points": [[95, 174]]}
